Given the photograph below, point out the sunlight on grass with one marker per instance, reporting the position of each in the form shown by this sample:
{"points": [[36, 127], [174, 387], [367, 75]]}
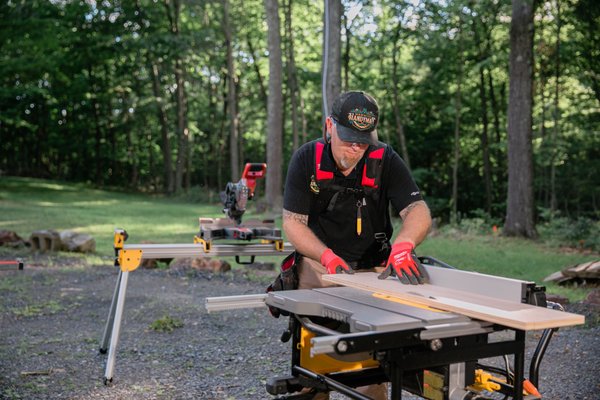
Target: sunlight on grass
{"points": [[89, 203], [46, 204], [12, 223], [49, 185]]}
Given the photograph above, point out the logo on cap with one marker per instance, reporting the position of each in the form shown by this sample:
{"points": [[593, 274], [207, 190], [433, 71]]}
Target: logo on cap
{"points": [[363, 120]]}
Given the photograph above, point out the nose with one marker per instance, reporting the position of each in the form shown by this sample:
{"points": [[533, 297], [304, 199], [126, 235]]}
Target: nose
{"points": [[357, 146]]}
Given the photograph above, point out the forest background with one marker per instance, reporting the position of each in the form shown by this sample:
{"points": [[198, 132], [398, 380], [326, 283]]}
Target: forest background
{"points": [[174, 96]]}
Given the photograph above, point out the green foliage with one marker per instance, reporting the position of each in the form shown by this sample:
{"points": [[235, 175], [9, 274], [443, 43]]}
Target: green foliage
{"points": [[80, 101], [580, 233], [166, 324]]}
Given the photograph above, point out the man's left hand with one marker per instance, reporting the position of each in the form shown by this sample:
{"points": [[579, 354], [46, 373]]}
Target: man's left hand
{"points": [[403, 263]]}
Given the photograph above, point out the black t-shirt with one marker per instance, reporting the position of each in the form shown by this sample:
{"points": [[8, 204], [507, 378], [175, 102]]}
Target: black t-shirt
{"points": [[332, 213]]}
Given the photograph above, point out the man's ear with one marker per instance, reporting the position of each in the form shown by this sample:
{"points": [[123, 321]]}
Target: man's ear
{"points": [[328, 123], [326, 128]]}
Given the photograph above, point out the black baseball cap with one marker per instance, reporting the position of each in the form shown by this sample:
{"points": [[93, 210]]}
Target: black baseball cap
{"points": [[356, 115]]}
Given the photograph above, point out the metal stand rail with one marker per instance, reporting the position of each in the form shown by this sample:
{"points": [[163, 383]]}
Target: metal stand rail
{"points": [[401, 353], [129, 257]]}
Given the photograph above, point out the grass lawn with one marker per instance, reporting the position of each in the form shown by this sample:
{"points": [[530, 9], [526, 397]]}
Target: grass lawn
{"points": [[27, 205]]}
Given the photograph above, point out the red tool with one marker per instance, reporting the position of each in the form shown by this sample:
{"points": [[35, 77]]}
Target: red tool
{"points": [[17, 262]]}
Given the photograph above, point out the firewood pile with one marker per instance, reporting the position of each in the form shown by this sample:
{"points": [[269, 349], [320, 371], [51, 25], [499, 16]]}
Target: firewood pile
{"points": [[587, 273], [50, 240]]}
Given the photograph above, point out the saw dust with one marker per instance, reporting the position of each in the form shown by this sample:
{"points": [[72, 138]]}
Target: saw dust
{"points": [[53, 313]]}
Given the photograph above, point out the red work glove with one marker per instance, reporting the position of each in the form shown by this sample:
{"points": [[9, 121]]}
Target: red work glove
{"points": [[403, 263], [334, 263]]}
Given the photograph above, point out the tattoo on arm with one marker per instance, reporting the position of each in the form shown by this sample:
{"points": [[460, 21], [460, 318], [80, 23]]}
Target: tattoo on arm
{"points": [[303, 219], [404, 213]]}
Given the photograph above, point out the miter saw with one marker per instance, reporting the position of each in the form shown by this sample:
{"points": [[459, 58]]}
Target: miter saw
{"points": [[235, 198]]}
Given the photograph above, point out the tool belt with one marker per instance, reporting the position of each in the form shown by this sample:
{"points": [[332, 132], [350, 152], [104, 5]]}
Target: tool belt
{"points": [[376, 256], [286, 280]]}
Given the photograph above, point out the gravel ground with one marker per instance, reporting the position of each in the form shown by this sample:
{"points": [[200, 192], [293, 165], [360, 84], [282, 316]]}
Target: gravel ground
{"points": [[53, 313]]}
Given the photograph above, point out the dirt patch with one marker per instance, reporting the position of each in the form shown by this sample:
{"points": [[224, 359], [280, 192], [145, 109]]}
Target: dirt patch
{"points": [[52, 316]]}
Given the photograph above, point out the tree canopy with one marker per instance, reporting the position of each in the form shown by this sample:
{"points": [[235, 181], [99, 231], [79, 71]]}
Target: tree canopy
{"points": [[166, 95]]}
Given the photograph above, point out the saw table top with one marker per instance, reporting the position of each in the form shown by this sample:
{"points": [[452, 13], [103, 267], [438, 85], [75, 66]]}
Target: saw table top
{"points": [[499, 311], [362, 311]]}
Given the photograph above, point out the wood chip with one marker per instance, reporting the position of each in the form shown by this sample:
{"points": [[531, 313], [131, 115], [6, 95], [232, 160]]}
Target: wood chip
{"points": [[36, 373]]}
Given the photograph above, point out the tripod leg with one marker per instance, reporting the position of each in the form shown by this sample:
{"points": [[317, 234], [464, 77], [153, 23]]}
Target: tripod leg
{"points": [[111, 317], [114, 339]]}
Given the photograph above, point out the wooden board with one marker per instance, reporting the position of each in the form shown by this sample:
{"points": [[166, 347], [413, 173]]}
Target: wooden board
{"points": [[507, 313]]}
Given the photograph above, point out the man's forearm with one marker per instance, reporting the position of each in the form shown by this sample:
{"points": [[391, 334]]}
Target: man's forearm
{"points": [[301, 237], [416, 222]]}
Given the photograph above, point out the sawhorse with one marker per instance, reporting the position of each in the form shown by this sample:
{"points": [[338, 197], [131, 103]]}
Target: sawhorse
{"points": [[129, 257]]}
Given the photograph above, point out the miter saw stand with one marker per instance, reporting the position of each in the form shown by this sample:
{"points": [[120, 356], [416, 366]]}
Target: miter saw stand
{"points": [[243, 240]]}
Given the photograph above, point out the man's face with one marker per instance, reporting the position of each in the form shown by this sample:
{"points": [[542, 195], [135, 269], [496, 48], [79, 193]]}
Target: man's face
{"points": [[345, 154]]}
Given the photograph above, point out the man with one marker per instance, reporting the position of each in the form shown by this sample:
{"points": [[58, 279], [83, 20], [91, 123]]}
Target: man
{"points": [[337, 197]]}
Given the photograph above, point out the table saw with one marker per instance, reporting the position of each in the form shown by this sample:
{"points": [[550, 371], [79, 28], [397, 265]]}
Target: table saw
{"points": [[345, 337]]}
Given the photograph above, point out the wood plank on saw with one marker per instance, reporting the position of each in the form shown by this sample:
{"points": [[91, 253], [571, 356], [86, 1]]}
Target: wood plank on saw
{"points": [[507, 313]]}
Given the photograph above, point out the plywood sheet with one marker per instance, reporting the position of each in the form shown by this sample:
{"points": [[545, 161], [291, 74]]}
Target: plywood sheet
{"points": [[512, 314]]}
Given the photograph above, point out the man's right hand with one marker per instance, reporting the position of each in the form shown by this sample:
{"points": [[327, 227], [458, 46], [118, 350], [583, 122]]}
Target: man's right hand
{"points": [[334, 263]]}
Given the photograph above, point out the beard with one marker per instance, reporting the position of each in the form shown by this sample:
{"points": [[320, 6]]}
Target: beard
{"points": [[349, 162]]}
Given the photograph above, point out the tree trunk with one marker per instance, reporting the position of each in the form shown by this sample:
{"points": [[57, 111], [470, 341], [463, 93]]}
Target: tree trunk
{"points": [[395, 83], [98, 131], [457, 111], [234, 161], [496, 116], [485, 147], [164, 130], [292, 75], [182, 129], [543, 172], [543, 190], [556, 115], [302, 114], [261, 82], [346, 52], [331, 54], [222, 138], [181, 101], [240, 126], [274, 190], [520, 207], [498, 172]]}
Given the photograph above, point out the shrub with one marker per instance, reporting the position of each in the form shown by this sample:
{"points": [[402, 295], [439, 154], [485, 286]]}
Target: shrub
{"points": [[166, 324], [558, 230]]}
